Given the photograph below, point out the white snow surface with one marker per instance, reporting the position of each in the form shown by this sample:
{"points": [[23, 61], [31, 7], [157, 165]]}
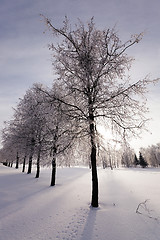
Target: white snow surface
{"points": [[31, 209]]}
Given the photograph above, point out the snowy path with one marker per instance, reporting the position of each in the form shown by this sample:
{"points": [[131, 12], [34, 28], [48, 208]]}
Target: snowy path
{"points": [[30, 209]]}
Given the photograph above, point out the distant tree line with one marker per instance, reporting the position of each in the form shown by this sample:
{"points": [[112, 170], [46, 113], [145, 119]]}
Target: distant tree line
{"points": [[149, 156], [131, 160]]}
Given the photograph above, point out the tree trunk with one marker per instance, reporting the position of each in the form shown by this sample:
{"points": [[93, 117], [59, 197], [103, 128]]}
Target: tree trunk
{"points": [[24, 163], [17, 161], [38, 164], [30, 165], [31, 156], [53, 176], [94, 201], [110, 162]]}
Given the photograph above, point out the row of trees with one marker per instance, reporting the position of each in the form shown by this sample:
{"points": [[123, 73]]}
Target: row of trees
{"points": [[38, 129], [92, 88]]}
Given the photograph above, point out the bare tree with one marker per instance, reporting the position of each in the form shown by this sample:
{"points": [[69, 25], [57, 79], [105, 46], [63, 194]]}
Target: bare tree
{"points": [[58, 127], [91, 66]]}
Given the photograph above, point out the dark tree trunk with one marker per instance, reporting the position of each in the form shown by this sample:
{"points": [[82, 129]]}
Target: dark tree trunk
{"points": [[17, 161], [30, 165], [38, 164], [53, 176], [24, 163], [31, 156], [94, 201], [11, 164], [104, 164]]}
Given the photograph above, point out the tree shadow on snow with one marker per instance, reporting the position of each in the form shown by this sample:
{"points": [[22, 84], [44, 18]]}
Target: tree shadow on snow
{"points": [[90, 224]]}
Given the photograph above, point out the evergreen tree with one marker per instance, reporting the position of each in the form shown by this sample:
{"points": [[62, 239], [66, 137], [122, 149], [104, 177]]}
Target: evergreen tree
{"points": [[136, 161], [142, 161]]}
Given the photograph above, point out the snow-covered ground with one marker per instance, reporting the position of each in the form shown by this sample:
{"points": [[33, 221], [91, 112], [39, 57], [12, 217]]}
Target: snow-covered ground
{"points": [[30, 209]]}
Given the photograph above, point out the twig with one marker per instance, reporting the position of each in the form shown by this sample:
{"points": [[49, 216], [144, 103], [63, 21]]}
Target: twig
{"points": [[143, 205]]}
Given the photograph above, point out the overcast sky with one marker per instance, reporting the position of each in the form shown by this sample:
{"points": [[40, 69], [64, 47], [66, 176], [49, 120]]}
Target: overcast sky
{"points": [[25, 58]]}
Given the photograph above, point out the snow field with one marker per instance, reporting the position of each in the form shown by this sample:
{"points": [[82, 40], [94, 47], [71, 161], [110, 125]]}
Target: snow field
{"points": [[30, 209]]}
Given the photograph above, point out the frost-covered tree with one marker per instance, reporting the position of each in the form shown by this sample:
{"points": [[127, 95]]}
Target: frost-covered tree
{"points": [[59, 128], [26, 130], [152, 155], [29, 121], [91, 66], [12, 142], [127, 157]]}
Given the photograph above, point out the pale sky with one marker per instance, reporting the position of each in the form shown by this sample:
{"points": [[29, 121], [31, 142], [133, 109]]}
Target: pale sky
{"points": [[25, 58]]}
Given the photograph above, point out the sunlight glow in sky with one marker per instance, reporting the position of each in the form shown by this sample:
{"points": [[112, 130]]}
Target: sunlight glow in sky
{"points": [[25, 58]]}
